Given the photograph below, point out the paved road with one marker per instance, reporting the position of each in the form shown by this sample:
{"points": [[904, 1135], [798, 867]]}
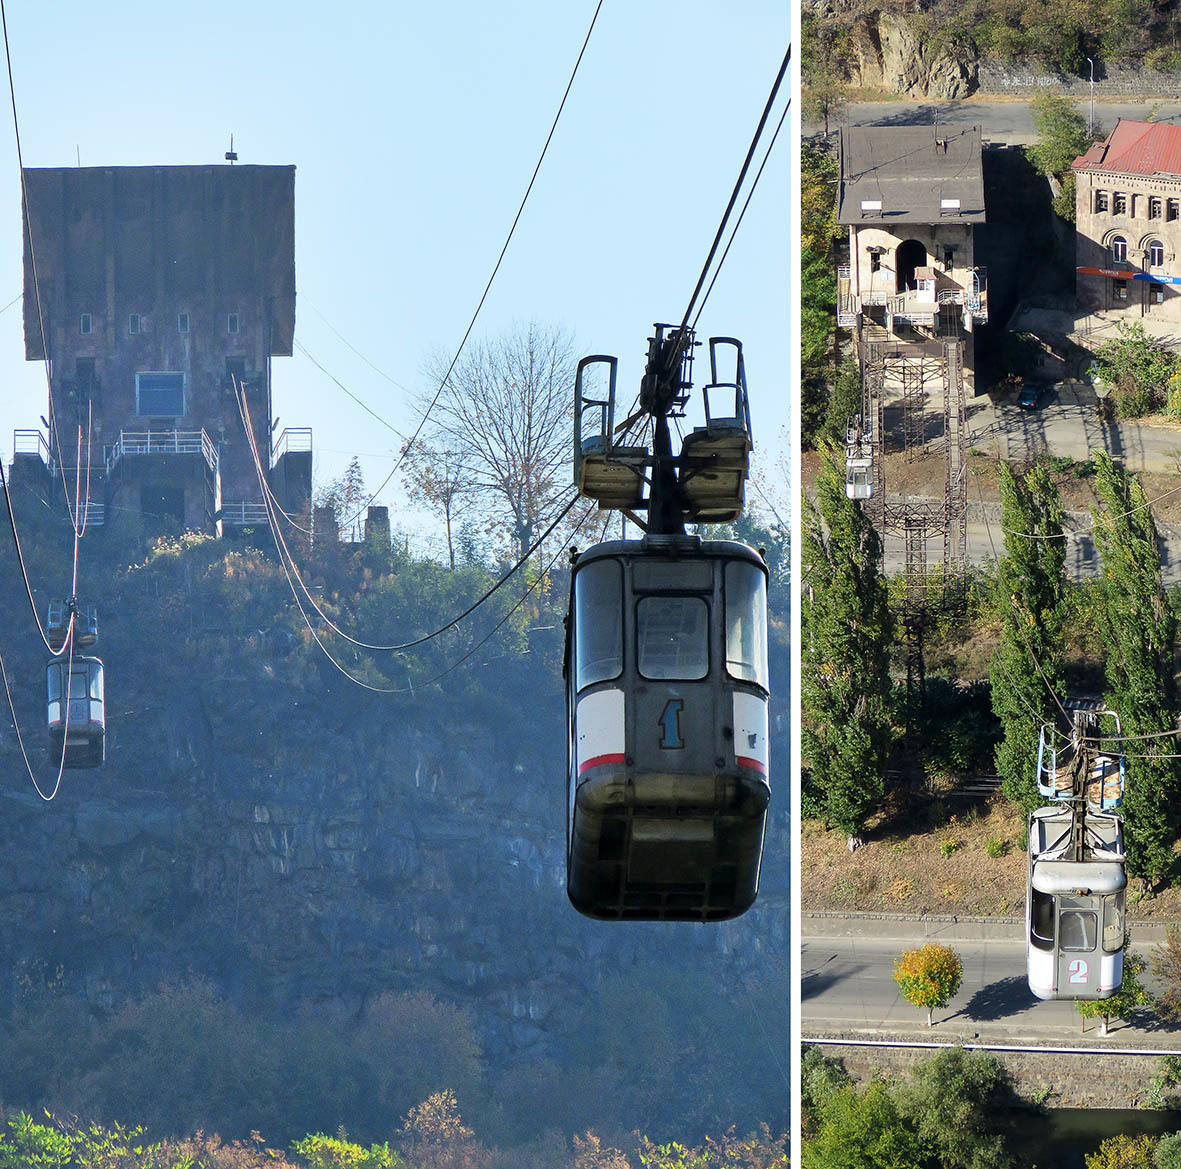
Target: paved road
{"points": [[847, 986], [1001, 121]]}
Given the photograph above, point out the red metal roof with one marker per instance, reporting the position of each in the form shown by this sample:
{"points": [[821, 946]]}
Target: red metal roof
{"points": [[1136, 148]]}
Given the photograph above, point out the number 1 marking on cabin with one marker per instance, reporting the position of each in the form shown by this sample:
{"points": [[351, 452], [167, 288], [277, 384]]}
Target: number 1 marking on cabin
{"points": [[1078, 971], [670, 724]]}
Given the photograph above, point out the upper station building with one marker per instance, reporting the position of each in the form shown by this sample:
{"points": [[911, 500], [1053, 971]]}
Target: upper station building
{"points": [[911, 197], [152, 291], [1128, 222]]}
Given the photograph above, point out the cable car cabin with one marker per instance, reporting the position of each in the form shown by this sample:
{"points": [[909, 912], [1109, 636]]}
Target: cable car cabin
{"points": [[666, 692], [1074, 909], [77, 688]]}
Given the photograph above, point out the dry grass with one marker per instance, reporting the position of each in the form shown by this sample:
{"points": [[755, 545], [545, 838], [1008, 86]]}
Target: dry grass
{"points": [[941, 868]]}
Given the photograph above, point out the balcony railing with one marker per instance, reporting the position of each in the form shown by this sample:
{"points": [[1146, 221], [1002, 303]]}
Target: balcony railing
{"points": [[31, 442], [294, 440], [242, 514], [161, 442]]}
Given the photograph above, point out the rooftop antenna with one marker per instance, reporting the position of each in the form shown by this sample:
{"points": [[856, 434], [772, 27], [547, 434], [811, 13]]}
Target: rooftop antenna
{"points": [[231, 154]]}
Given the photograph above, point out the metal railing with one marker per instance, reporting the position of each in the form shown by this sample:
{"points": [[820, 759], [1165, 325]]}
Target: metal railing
{"points": [[161, 442], [242, 514], [293, 440], [31, 442]]}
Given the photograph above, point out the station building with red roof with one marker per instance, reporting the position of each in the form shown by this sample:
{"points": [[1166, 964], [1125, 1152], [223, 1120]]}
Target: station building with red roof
{"points": [[1128, 222]]}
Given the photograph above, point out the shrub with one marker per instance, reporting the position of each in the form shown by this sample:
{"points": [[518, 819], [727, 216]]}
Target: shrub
{"points": [[996, 847]]}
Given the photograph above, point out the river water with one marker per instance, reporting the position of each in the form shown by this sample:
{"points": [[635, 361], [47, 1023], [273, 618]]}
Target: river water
{"points": [[1060, 1140]]}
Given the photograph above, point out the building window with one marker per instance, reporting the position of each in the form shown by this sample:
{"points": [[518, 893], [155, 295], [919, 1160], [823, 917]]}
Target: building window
{"points": [[182, 322], [1119, 249], [1119, 290], [133, 324], [1172, 209], [1156, 253], [1119, 203], [1100, 201], [948, 257], [159, 395], [1156, 294], [232, 323], [1153, 208], [875, 261], [85, 325]]}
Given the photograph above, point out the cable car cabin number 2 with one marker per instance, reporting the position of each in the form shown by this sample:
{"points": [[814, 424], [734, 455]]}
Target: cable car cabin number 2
{"points": [[666, 683]]}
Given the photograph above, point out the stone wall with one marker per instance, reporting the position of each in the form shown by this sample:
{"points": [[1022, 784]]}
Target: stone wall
{"points": [[1027, 79]]}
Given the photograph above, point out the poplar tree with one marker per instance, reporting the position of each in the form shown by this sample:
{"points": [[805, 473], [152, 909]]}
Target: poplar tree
{"points": [[1025, 673], [1139, 632], [845, 655]]}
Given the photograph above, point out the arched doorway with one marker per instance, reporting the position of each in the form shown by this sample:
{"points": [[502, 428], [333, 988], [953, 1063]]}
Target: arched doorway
{"points": [[910, 255]]}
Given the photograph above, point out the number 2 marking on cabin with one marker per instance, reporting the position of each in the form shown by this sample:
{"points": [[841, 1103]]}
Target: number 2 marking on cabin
{"points": [[670, 724], [1078, 971]]}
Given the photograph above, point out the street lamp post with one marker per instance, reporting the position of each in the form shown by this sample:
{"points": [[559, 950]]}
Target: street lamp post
{"points": [[1091, 119]]}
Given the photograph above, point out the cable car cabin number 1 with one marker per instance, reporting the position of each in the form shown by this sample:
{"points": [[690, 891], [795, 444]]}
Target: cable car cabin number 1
{"points": [[666, 686]]}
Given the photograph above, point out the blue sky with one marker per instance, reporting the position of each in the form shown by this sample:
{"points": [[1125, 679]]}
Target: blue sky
{"points": [[414, 129]]}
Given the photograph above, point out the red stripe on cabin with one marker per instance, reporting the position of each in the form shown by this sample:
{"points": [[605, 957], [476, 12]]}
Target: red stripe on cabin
{"points": [[753, 764], [601, 761]]}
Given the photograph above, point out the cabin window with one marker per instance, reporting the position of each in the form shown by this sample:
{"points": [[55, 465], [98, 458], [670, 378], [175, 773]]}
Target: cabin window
{"points": [[598, 623], [1100, 201], [1041, 930], [159, 395], [746, 623], [1113, 922], [1077, 930], [672, 638]]}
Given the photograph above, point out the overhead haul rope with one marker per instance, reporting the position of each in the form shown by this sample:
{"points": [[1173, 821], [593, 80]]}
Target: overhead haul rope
{"points": [[288, 570], [285, 554], [28, 226], [681, 333], [496, 268]]}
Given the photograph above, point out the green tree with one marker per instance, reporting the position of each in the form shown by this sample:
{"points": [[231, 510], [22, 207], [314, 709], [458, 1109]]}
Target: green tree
{"points": [[1025, 673], [845, 663], [1124, 1003], [1168, 1152], [928, 976], [1061, 132], [862, 1130], [1140, 369], [825, 98], [1123, 1152], [324, 1152], [820, 1076], [1139, 629], [29, 1145], [818, 287], [954, 1100]]}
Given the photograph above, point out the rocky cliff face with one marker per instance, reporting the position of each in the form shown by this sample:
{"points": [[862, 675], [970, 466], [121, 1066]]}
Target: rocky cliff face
{"points": [[262, 823], [886, 54]]}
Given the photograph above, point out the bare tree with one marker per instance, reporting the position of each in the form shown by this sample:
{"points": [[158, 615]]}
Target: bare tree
{"points": [[506, 414], [438, 479]]}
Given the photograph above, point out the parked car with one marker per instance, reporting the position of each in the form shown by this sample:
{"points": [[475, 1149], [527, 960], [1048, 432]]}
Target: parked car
{"points": [[1027, 399]]}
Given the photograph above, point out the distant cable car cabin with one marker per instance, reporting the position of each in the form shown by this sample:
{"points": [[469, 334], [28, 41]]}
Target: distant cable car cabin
{"points": [[859, 478], [667, 688], [77, 724], [666, 655], [1076, 880]]}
